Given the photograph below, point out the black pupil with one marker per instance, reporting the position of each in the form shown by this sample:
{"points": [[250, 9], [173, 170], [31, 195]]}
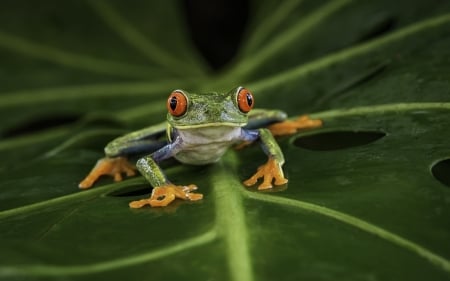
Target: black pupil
{"points": [[249, 99], [173, 103]]}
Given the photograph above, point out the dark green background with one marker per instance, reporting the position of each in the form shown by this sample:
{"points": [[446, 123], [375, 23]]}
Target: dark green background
{"points": [[75, 74]]}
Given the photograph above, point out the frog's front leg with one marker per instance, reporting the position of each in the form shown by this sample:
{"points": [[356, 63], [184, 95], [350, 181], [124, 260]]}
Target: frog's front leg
{"points": [[164, 192], [115, 163], [164, 195], [272, 170], [108, 166]]}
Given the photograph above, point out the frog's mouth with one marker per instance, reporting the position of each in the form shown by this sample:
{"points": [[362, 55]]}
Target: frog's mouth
{"points": [[206, 125]]}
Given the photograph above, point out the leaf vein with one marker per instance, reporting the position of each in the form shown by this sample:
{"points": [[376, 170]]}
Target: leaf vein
{"points": [[137, 40], [276, 44], [77, 61], [325, 61], [432, 257], [64, 270], [269, 24], [84, 91], [73, 197]]}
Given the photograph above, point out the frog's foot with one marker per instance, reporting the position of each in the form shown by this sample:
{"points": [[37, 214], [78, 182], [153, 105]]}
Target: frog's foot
{"points": [[289, 127], [108, 166], [164, 195], [271, 171]]}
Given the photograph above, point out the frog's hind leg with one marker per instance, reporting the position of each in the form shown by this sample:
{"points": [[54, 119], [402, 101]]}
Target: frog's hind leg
{"points": [[271, 171], [289, 127]]}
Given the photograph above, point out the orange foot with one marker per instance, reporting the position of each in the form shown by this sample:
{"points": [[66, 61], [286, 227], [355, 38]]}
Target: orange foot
{"points": [[289, 127], [270, 171], [108, 166], [164, 195]]}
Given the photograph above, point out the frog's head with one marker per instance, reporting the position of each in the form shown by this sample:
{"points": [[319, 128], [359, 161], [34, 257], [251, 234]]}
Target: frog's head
{"points": [[188, 110]]}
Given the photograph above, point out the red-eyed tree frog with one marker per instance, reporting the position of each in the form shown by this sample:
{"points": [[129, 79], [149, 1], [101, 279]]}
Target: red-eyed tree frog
{"points": [[199, 129]]}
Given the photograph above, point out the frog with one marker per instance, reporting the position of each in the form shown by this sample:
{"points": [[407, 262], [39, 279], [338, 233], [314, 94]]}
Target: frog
{"points": [[198, 130]]}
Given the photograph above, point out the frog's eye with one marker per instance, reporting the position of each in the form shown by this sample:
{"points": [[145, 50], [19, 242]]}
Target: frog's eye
{"points": [[245, 100], [177, 103]]}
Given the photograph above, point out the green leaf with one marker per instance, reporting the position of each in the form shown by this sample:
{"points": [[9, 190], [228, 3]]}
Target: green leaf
{"points": [[368, 196]]}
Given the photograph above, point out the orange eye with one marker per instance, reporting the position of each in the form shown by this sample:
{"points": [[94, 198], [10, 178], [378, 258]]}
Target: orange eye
{"points": [[177, 103], [245, 100]]}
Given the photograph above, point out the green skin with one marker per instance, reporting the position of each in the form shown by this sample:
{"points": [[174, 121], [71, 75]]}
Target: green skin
{"points": [[212, 123]]}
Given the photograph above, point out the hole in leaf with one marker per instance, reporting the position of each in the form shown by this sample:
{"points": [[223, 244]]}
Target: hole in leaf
{"points": [[441, 171], [41, 124], [132, 191], [337, 140]]}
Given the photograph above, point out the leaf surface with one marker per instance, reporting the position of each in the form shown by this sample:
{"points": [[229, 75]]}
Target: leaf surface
{"points": [[364, 200]]}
